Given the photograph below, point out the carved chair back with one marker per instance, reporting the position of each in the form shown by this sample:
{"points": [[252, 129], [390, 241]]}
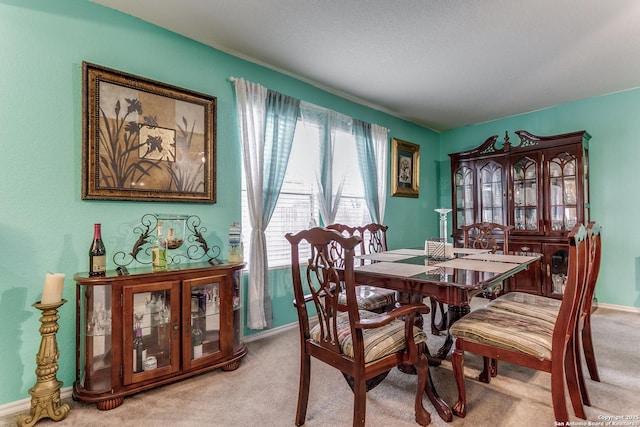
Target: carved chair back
{"points": [[374, 238], [337, 252], [487, 235]]}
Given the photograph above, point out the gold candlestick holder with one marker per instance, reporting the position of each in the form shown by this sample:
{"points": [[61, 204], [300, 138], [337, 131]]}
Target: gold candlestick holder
{"points": [[45, 394]]}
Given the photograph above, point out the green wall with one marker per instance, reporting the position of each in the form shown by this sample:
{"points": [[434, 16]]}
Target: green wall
{"points": [[614, 162], [46, 226]]}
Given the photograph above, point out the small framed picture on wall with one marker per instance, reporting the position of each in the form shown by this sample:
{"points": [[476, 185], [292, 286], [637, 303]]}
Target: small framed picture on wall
{"points": [[405, 168]]}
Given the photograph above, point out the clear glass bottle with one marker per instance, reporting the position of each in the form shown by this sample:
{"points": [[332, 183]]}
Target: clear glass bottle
{"points": [[163, 332], [97, 254], [159, 250]]}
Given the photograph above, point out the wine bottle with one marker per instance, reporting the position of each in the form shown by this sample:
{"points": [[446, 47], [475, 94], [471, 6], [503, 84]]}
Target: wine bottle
{"points": [[159, 252], [139, 351], [97, 254]]}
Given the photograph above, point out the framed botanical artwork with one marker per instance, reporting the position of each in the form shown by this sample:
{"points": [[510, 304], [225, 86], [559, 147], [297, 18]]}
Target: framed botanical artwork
{"points": [[146, 140], [405, 168]]}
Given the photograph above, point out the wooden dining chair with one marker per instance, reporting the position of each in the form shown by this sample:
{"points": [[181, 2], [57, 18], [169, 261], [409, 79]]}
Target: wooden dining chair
{"points": [[526, 341], [363, 345], [547, 309], [374, 240], [481, 235]]}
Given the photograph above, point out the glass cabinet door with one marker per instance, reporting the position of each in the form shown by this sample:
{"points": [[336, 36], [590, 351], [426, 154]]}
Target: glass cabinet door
{"points": [[563, 194], [237, 309], [151, 330], [464, 196], [203, 319], [491, 200], [557, 267], [525, 194], [95, 330]]}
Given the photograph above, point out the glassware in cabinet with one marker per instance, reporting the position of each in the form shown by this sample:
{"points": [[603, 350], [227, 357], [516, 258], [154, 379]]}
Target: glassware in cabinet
{"points": [[205, 320], [94, 327], [207, 309], [564, 192], [151, 345], [556, 269], [237, 277], [525, 194], [491, 177], [464, 188]]}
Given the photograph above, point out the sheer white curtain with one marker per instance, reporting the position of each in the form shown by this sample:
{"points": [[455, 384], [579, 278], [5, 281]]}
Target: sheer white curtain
{"points": [[267, 122], [330, 174], [380, 137], [251, 105]]}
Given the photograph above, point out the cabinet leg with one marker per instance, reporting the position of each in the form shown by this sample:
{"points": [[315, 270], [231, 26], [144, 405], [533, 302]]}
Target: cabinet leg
{"points": [[231, 366], [109, 404]]}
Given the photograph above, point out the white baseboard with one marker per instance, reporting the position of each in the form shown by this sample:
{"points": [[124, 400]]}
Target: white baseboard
{"points": [[24, 404], [617, 307], [269, 332]]}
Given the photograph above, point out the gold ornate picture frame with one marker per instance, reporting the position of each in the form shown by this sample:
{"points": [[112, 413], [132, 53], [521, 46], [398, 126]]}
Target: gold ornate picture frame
{"points": [[145, 140], [405, 168]]}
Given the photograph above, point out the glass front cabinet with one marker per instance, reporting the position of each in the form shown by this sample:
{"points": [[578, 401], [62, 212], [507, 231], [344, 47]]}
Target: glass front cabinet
{"points": [[539, 185], [148, 328]]}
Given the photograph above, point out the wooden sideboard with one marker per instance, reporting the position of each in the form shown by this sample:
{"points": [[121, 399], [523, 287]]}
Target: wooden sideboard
{"points": [[187, 319]]}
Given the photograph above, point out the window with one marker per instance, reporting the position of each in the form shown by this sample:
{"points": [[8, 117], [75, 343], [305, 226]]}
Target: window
{"points": [[297, 207], [353, 208]]}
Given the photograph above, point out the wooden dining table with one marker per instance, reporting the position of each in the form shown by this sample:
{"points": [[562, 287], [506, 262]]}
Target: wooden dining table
{"points": [[451, 281]]}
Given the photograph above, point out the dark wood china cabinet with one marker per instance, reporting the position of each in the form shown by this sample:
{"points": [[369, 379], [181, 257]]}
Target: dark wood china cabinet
{"points": [[540, 185]]}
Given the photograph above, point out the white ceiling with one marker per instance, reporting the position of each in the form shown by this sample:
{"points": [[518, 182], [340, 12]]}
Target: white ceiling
{"points": [[439, 63]]}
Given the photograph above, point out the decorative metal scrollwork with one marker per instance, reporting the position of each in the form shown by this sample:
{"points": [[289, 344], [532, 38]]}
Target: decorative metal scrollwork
{"points": [[190, 238]]}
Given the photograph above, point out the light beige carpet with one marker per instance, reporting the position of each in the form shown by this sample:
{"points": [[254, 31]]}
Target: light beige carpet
{"points": [[263, 391]]}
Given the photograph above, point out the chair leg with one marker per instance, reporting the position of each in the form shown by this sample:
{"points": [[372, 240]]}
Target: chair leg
{"points": [[457, 362], [441, 406], [423, 417], [587, 346], [359, 401], [584, 393], [557, 392], [303, 389], [490, 369], [573, 382]]}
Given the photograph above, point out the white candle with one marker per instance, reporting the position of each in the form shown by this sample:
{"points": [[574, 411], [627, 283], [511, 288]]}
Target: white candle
{"points": [[52, 292]]}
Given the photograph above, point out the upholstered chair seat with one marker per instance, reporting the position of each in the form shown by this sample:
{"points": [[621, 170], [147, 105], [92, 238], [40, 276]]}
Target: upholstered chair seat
{"points": [[528, 304], [378, 342], [371, 298], [507, 330], [374, 240]]}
